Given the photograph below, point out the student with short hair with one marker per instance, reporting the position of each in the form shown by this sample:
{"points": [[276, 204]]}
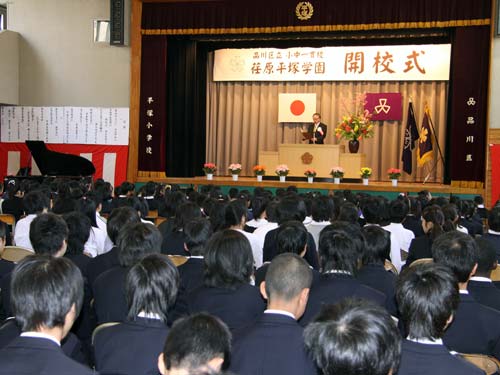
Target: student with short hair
{"points": [[398, 210], [198, 344], [47, 295], [322, 211], [227, 292], [428, 297], [480, 285], [134, 242], [347, 338], [35, 202], [132, 347], [274, 343], [493, 234], [339, 253], [475, 327]]}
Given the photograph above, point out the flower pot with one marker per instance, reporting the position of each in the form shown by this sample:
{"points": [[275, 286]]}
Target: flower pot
{"points": [[210, 176], [365, 181], [259, 177], [336, 180], [394, 182], [235, 177], [282, 178], [310, 180], [353, 146]]}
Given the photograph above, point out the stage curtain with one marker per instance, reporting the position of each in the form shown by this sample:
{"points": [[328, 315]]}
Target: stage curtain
{"points": [[243, 119], [185, 151], [236, 16]]}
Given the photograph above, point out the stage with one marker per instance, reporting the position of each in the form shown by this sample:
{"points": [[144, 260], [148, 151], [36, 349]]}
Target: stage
{"points": [[272, 182]]}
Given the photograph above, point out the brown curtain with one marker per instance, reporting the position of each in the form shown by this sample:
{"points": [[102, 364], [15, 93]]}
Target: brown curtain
{"points": [[242, 119]]}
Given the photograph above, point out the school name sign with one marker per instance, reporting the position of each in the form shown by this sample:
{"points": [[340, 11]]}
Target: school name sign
{"points": [[425, 62]]}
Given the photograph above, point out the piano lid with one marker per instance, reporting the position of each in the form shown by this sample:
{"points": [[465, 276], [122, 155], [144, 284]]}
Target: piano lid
{"points": [[53, 163]]}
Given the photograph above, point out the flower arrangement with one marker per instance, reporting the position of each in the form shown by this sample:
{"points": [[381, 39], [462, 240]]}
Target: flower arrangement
{"points": [[337, 172], [365, 172], [394, 173], [356, 125], [259, 170], [282, 170], [310, 173], [234, 168], [209, 168]]}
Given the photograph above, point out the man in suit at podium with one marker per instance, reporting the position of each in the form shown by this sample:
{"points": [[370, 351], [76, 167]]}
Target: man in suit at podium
{"points": [[317, 130]]}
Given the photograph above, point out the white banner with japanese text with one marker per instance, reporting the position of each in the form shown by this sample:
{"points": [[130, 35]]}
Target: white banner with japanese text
{"points": [[426, 62]]}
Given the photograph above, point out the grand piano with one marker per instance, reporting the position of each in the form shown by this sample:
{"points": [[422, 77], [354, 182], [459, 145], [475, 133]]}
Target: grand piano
{"points": [[53, 163]]}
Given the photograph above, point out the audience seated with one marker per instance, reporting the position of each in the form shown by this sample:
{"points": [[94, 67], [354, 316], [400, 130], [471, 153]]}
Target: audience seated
{"points": [[322, 211], [274, 343], [95, 244], [432, 225], [47, 295], [5, 266], [339, 257], [493, 235], [289, 208], [354, 337], [291, 238], [428, 297], [398, 210], [258, 205], [13, 204], [481, 211], [227, 292], [480, 285], [272, 222], [34, 203], [119, 218], [413, 221], [196, 345], [173, 242], [467, 211], [372, 272], [475, 327], [132, 347], [134, 242]]}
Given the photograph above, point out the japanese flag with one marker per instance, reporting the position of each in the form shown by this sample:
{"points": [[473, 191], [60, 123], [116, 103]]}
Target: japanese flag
{"points": [[296, 107]]}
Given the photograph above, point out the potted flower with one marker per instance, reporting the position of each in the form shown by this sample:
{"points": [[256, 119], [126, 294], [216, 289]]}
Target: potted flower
{"points": [[259, 170], [394, 174], [365, 173], [337, 173], [282, 171], [235, 170], [209, 169], [310, 174], [356, 124]]}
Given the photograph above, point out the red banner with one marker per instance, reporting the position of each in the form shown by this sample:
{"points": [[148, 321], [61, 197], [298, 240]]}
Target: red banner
{"points": [[495, 173], [385, 106]]}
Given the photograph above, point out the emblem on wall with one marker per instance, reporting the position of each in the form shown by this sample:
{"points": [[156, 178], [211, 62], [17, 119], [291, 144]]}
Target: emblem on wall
{"points": [[307, 158], [304, 10]]}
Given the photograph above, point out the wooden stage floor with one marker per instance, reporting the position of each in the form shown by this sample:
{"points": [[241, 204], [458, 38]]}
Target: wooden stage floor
{"points": [[301, 183]]}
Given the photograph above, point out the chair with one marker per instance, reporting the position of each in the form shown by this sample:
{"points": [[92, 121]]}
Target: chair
{"points": [[390, 267], [178, 260], [8, 219], [490, 365], [152, 214], [159, 220], [16, 253], [420, 261], [495, 274], [100, 327]]}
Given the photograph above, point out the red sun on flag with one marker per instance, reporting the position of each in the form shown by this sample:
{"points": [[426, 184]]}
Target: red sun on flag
{"points": [[297, 107]]}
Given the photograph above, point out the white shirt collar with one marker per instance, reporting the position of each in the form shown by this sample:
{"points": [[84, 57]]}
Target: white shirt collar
{"points": [[40, 335], [461, 291], [341, 272], [196, 256], [480, 278], [426, 341], [143, 314], [280, 312], [493, 232]]}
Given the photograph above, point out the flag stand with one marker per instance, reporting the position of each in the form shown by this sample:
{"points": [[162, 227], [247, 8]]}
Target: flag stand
{"points": [[438, 147]]}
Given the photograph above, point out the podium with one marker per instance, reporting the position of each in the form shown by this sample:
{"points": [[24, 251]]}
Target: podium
{"points": [[321, 158]]}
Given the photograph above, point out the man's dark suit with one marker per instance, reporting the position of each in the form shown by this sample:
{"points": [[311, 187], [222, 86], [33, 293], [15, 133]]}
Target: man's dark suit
{"points": [[270, 249], [420, 247], [29, 355], [475, 329], [109, 295], [102, 263], [237, 308], [131, 347], [333, 288], [485, 292], [272, 345], [377, 277], [494, 239], [424, 359], [191, 274], [319, 134]]}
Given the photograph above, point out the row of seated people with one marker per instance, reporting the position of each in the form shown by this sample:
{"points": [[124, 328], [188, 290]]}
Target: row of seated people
{"points": [[347, 335]]}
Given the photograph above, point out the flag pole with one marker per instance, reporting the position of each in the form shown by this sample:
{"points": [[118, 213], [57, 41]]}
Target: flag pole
{"points": [[431, 123]]}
